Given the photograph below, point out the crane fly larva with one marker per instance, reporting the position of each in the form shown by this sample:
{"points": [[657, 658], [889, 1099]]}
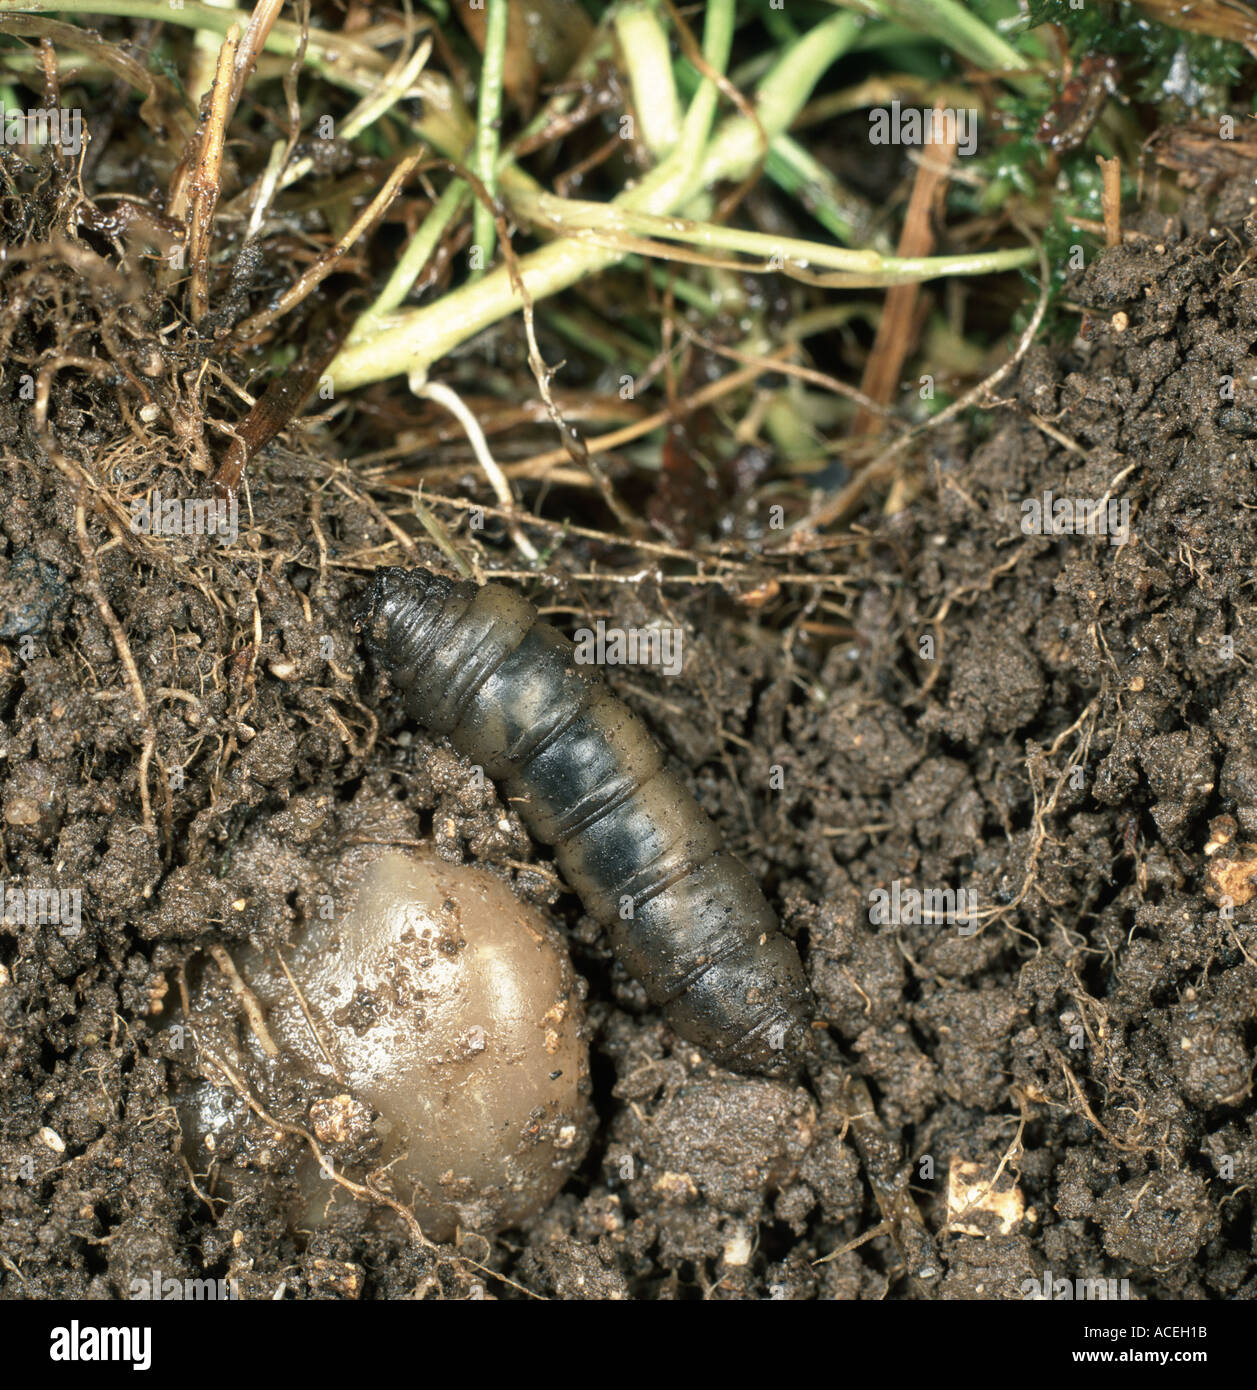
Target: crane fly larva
{"points": [[683, 916]]}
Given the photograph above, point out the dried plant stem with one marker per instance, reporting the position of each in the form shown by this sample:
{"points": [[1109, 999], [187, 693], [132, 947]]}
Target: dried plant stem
{"points": [[896, 334], [206, 176]]}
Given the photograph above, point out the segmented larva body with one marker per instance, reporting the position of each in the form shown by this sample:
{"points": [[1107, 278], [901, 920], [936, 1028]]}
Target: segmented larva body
{"points": [[683, 916]]}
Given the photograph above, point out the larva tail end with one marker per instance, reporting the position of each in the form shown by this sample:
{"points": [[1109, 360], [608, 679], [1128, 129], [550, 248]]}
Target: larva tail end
{"points": [[752, 1010], [778, 1044]]}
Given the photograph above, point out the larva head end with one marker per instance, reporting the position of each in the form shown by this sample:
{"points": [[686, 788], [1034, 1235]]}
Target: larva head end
{"points": [[399, 605], [364, 614], [389, 588]]}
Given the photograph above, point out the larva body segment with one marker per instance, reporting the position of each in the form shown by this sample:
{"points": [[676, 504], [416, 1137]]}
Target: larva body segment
{"points": [[684, 917]]}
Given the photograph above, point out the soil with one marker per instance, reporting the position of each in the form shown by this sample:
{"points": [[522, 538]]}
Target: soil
{"points": [[1078, 739]]}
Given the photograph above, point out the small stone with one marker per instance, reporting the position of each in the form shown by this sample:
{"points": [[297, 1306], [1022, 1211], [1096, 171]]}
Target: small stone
{"points": [[51, 1139], [339, 1120], [737, 1251]]}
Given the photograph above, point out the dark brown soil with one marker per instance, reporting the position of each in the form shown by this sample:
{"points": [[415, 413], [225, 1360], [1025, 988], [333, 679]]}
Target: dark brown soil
{"points": [[1087, 713]]}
